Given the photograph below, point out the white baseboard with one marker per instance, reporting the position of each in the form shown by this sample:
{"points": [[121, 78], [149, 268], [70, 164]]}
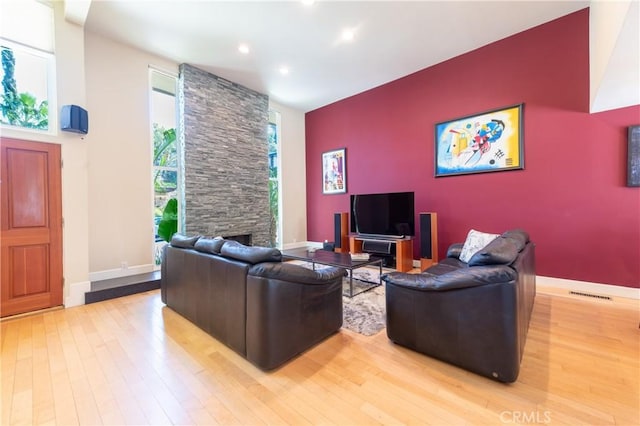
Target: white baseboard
{"points": [[76, 294], [587, 287], [118, 273], [301, 244]]}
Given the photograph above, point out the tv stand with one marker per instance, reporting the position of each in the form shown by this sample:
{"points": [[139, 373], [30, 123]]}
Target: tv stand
{"points": [[403, 249]]}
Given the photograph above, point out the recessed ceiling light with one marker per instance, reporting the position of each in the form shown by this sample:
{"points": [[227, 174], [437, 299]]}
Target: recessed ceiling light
{"points": [[243, 48], [284, 70], [348, 34]]}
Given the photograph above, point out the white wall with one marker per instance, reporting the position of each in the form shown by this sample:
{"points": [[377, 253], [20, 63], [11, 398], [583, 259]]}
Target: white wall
{"points": [[293, 175], [120, 185]]}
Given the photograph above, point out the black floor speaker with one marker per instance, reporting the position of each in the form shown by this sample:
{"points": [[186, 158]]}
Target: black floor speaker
{"points": [[428, 239], [341, 232]]}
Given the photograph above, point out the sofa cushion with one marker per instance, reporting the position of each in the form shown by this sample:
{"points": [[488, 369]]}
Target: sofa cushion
{"points": [[475, 241], [250, 254], [501, 251], [209, 245], [182, 241]]}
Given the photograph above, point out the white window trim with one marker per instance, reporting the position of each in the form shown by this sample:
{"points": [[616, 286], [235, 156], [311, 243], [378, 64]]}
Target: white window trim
{"points": [[51, 90]]}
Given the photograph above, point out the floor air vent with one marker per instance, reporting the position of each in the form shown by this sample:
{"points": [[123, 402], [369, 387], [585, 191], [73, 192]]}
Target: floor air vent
{"points": [[595, 296]]}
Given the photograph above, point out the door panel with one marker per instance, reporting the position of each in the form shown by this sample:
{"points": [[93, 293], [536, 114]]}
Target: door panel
{"points": [[31, 226], [28, 198], [29, 265]]}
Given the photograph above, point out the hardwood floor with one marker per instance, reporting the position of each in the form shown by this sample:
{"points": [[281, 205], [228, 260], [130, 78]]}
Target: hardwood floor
{"points": [[133, 361]]}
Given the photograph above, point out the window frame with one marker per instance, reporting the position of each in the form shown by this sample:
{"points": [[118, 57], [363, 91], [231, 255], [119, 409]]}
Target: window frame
{"points": [[157, 245], [50, 61]]}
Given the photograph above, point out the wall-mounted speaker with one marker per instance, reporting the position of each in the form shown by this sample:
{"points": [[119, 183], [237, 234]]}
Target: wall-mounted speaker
{"points": [[74, 119], [428, 240], [341, 232]]}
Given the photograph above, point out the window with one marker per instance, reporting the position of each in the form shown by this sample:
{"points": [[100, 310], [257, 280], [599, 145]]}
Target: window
{"points": [[28, 66], [273, 136], [165, 160]]}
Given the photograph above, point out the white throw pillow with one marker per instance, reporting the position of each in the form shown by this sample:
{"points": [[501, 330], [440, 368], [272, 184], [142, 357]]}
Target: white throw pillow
{"points": [[475, 241]]}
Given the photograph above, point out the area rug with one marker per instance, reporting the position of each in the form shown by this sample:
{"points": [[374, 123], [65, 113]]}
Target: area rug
{"points": [[365, 312]]}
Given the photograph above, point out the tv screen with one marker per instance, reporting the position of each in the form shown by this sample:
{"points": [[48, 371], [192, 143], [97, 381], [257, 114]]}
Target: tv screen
{"points": [[383, 215]]}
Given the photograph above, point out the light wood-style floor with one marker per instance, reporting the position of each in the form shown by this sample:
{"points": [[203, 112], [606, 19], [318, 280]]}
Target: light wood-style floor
{"points": [[134, 361]]}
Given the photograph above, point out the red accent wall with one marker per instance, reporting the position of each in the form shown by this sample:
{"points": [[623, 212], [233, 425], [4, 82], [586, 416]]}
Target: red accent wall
{"points": [[571, 197]]}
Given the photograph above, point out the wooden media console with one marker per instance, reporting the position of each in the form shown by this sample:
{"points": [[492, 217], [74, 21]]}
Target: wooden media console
{"points": [[403, 249]]}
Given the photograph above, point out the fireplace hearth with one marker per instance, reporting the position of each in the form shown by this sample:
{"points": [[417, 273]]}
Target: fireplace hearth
{"points": [[242, 239]]}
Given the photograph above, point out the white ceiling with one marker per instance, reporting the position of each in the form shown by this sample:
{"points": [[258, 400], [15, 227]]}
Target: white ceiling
{"points": [[392, 38]]}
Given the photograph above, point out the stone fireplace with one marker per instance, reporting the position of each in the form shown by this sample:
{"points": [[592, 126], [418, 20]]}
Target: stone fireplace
{"points": [[223, 131]]}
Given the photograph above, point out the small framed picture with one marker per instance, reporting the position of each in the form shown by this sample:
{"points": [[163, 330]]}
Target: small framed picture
{"points": [[334, 172]]}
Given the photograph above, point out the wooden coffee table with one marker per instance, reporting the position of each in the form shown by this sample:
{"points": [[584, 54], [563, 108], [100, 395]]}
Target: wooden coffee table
{"points": [[330, 258]]}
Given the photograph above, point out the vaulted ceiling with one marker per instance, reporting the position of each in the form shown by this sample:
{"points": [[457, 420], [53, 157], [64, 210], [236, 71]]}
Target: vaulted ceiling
{"points": [[303, 56]]}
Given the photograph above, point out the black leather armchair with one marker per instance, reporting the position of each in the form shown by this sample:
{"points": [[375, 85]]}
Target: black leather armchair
{"points": [[474, 315]]}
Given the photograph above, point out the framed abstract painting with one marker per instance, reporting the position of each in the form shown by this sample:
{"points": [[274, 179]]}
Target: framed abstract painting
{"points": [[486, 142]]}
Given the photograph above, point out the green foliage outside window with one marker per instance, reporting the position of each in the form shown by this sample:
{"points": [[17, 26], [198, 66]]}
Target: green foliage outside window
{"points": [[165, 183], [20, 109], [272, 137], [165, 155]]}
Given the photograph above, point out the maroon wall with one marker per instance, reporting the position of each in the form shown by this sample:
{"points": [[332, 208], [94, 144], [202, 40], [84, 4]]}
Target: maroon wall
{"points": [[571, 197]]}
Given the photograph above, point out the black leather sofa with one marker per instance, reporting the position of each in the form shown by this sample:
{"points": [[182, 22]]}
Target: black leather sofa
{"points": [[474, 315], [247, 298]]}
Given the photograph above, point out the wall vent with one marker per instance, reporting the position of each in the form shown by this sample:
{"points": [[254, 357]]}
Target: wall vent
{"points": [[595, 296]]}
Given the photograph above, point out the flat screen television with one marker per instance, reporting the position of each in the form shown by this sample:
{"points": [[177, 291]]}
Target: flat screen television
{"points": [[389, 215]]}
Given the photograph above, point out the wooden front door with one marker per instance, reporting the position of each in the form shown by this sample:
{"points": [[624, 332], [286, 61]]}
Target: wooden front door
{"points": [[31, 226]]}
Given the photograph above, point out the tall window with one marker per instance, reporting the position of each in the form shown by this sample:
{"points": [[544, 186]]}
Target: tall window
{"points": [[27, 100], [273, 133], [166, 158]]}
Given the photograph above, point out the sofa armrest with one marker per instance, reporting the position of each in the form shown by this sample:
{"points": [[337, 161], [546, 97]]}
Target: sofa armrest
{"points": [[454, 250], [461, 278], [296, 273]]}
